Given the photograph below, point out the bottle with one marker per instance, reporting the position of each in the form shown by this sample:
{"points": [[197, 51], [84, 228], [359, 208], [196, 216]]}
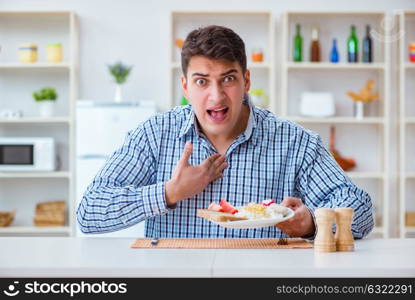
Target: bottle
{"points": [[352, 46], [334, 54], [298, 45], [315, 46], [367, 47]]}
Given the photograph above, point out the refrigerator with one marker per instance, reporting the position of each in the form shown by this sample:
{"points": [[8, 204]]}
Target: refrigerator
{"points": [[101, 129]]}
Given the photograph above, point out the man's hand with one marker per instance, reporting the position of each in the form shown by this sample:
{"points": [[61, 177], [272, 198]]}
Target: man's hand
{"points": [[188, 180], [302, 223]]}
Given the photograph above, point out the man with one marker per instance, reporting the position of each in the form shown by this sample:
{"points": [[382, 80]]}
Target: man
{"points": [[219, 147]]}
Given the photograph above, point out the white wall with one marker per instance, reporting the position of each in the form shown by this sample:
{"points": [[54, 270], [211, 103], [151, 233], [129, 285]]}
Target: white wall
{"points": [[137, 33]]}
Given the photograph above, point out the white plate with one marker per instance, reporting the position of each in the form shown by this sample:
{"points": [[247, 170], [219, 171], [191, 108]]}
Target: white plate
{"points": [[245, 224]]}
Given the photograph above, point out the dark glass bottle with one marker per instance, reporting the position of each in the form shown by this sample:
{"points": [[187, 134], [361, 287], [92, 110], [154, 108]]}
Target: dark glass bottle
{"points": [[352, 46], [334, 54], [367, 47], [315, 46], [298, 45]]}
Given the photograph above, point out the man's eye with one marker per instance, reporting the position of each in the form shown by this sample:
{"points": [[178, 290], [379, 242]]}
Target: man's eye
{"points": [[229, 78], [200, 81]]}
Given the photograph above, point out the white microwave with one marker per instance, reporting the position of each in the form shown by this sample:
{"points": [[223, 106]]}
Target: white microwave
{"points": [[27, 154]]}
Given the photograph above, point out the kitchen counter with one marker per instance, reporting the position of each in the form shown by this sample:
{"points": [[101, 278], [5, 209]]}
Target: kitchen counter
{"points": [[113, 257]]}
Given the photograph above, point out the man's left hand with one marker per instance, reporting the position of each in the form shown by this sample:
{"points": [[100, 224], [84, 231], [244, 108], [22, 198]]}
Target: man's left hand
{"points": [[302, 223]]}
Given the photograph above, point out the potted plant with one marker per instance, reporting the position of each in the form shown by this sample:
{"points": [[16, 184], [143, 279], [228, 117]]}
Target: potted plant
{"points": [[120, 73], [45, 98]]}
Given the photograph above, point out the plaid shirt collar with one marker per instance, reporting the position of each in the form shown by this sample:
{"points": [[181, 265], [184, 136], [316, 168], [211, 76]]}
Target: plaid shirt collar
{"points": [[191, 125]]}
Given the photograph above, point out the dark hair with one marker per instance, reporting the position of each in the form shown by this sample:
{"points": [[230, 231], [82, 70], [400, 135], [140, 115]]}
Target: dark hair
{"points": [[216, 42]]}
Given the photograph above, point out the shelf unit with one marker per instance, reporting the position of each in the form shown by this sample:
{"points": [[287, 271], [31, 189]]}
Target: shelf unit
{"points": [[22, 190], [406, 122], [256, 28], [338, 78]]}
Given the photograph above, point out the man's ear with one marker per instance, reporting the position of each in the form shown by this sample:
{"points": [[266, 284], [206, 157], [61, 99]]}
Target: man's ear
{"points": [[184, 87], [247, 79]]}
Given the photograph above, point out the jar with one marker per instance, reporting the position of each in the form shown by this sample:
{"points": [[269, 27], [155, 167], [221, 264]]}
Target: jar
{"points": [[54, 53], [27, 53], [257, 55]]}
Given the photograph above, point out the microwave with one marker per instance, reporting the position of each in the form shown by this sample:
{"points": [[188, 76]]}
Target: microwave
{"points": [[27, 154]]}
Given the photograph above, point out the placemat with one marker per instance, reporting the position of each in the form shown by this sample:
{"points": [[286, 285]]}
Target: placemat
{"points": [[224, 243]]}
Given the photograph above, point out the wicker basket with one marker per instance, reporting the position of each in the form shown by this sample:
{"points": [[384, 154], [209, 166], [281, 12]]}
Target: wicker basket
{"points": [[6, 218], [50, 213]]}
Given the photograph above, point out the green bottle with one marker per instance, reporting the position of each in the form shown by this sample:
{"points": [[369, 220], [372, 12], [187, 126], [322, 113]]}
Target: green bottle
{"points": [[352, 46], [298, 45], [184, 101]]}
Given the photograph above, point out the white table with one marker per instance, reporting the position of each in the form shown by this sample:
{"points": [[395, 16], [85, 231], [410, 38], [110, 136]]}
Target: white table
{"points": [[113, 257]]}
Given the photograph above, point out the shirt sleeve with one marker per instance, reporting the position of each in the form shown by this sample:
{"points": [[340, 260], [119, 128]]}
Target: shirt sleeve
{"points": [[322, 183], [125, 191]]}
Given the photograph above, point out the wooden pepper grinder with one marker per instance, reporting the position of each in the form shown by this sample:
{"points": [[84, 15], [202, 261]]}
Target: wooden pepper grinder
{"points": [[344, 237], [324, 241]]}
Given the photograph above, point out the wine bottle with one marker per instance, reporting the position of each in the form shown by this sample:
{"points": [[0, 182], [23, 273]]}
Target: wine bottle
{"points": [[367, 47], [298, 45], [334, 54], [352, 46], [315, 46]]}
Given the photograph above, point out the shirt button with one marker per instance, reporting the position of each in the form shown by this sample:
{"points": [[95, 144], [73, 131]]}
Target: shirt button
{"points": [[155, 211], [125, 222]]}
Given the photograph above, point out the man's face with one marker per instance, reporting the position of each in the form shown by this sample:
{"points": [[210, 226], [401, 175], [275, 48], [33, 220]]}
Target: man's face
{"points": [[215, 88]]}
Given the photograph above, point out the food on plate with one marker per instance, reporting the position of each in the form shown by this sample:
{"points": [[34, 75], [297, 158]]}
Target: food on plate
{"points": [[224, 211], [218, 216]]}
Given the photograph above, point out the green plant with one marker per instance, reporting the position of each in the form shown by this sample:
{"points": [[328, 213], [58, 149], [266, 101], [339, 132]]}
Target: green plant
{"points": [[45, 94], [120, 72]]}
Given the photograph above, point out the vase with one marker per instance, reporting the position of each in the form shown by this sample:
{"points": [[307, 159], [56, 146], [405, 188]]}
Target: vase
{"points": [[46, 108], [359, 110], [118, 93]]}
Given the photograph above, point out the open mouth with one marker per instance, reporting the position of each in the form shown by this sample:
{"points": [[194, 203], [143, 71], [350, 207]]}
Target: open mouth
{"points": [[218, 114]]}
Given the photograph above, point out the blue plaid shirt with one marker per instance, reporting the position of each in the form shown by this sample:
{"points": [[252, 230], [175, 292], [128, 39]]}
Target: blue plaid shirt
{"points": [[272, 159]]}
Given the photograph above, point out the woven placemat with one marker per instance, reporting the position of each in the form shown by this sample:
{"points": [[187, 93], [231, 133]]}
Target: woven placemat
{"points": [[223, 243]]}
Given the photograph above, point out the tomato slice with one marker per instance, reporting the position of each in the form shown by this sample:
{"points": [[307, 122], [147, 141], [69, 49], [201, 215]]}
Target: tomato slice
{"points": [[227, 207], [215, 207]]}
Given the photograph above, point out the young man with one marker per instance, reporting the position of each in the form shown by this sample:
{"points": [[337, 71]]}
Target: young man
{"points": [[219, 147]]}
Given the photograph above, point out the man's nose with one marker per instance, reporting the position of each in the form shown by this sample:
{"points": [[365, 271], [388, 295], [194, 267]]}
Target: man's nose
{"points": [[216, 92]]}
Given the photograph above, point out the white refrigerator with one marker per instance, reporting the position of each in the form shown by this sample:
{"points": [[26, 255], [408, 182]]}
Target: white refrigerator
{"points": [[101, 129]]}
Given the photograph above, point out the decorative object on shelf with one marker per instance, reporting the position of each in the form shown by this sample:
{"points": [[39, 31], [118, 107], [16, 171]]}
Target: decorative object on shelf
{"points": [[317, 104], [315, 46], [6, 218], [179, 43], [334, 53], [259, 97], [184, 101], [352, 46], [410, 218], [346, 163], [54, 53], [50, 213], [367, 47], [324, 241], [120, 73], [11, 114], [298, 44], [27, 53], [344, 237], [364, 96], [46, 98], [412, 52], [257, 55]]}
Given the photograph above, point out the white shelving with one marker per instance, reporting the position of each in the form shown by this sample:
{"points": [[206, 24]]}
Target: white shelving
{"points": [[256, 28], [338, 78], [406, 122], [21, 191]]}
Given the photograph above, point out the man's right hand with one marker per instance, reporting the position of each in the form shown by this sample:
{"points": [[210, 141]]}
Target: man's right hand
{"points": [[188, 180]]}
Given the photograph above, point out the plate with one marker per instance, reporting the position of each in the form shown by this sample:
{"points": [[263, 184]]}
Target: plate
{"points": [[246, 224]]}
